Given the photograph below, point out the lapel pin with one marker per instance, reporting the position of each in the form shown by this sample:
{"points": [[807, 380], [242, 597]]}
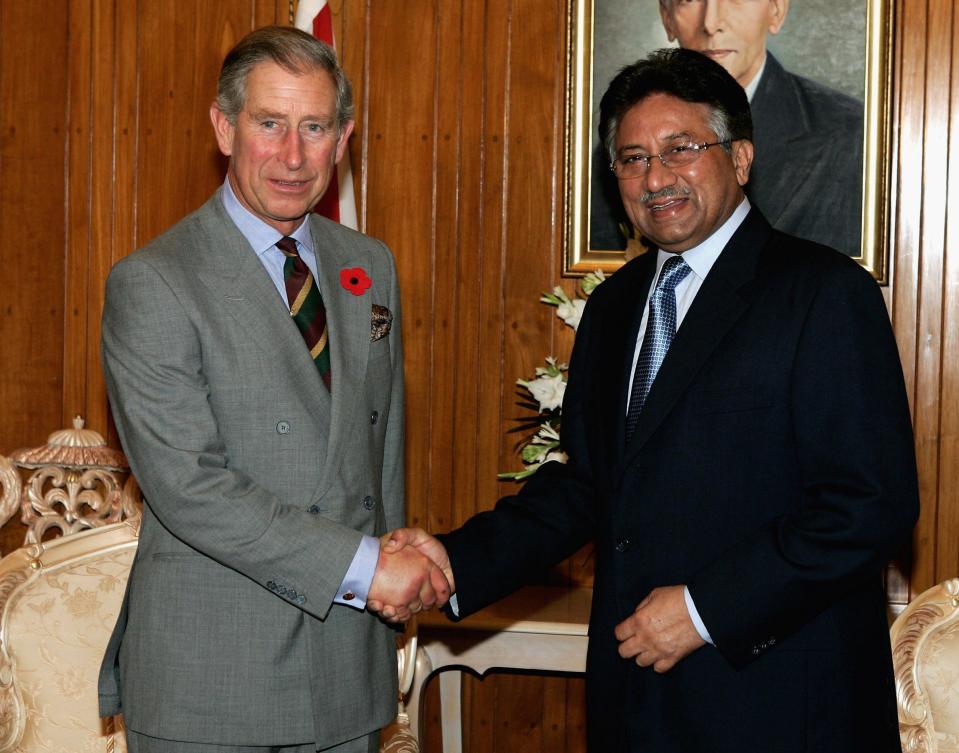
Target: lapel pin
{"points": [[355, 280]]}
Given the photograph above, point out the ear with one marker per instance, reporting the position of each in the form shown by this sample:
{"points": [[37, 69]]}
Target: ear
{"points": [[343, 139], [742, 159], [777, 15], [223, 129], [665, 13]]}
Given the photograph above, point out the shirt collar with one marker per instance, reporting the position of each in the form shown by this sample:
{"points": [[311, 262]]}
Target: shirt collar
{"points": [[258, 234], [702, 257], [754, 84]]}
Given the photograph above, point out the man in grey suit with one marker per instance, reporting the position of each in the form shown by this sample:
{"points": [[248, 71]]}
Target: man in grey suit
{"points": [[254, 363]]}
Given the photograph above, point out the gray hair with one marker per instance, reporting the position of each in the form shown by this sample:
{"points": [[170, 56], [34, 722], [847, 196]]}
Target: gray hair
{"points": [[294, 51]]}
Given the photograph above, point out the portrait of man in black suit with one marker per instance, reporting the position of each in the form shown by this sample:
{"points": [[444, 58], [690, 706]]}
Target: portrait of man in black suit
{"points": [[808, 137]]}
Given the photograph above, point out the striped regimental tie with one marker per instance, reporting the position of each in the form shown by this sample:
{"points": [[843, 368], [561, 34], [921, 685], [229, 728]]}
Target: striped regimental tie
{"points": [[306, 306], [660, 330]]}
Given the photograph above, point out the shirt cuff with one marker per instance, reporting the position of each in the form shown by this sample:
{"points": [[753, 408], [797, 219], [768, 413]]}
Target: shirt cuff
{"points": [[694, 616], [454, 606], [355, 588]]}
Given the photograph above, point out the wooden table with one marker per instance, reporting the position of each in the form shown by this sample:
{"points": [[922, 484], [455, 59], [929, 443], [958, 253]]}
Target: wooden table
{"points": [[538, 628]]}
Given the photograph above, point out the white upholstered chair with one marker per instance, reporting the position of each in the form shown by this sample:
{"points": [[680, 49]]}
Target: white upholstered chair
{"points": [[925, 645], [58, 603]]}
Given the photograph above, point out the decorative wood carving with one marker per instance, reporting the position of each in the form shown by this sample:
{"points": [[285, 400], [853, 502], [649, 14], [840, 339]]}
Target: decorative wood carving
{"points": [[921, 620]]}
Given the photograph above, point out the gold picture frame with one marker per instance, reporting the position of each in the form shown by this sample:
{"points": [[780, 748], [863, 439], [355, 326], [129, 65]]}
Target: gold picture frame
{"points": [[580, 257]]}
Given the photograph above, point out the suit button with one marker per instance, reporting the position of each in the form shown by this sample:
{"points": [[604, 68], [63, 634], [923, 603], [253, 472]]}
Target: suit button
{"points": [[314, 509], [368, 502], [374, 417], [755, 650], [282, 427], [771, 642], [622, 545]]}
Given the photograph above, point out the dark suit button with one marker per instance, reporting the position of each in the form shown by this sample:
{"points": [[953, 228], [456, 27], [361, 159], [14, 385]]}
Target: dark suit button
{"points": [[368, 502], [271, 585], [349, 596], [292, 594], [282, 427], [622, 545], [374, 417], [771, 642], [755, 650], [314, 509]]}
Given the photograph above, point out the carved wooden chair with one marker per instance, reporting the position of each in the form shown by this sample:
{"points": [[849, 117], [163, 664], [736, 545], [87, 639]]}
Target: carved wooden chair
{"points": [[925, 646]]}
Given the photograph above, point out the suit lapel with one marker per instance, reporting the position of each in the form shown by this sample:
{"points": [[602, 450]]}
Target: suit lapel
{"points": [[781, 122], [720, 302], [235, 274], [348, 321]]}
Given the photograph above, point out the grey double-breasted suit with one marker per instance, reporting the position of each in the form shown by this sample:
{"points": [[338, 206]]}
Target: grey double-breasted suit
{"points": [[259, 484]]}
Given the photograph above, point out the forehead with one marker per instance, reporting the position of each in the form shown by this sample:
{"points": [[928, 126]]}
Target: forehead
{"points": [[269, 85], [660, 117]]}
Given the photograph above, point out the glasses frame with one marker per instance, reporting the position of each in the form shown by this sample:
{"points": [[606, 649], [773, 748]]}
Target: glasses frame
{"points": [[696, 148]]}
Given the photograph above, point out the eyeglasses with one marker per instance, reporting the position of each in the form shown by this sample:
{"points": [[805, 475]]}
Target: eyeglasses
{"points": [[635, 165]]}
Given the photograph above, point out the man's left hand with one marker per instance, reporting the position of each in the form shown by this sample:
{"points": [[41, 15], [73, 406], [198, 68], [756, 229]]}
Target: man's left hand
{"points": [[659, 633]]}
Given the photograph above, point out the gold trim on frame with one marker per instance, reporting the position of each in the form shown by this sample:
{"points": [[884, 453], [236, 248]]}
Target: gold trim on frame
{"points": [[578, 258]]}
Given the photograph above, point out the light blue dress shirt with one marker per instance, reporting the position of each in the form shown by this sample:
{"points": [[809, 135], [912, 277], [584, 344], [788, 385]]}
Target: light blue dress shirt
{"points": [[355, 588]]}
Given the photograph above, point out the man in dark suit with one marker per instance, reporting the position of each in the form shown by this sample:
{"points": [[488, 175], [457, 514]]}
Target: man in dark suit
{"points": [[253, 358], [740, 451], [807, 174]]}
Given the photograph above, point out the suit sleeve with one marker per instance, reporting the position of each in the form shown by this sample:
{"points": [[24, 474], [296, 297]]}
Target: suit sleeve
{"points": [[154, 369], [553, 515], [394, 456], [856, 465]]}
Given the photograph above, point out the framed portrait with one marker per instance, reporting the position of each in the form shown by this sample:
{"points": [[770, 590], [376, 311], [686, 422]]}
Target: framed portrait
{"points": [[820, 98]]}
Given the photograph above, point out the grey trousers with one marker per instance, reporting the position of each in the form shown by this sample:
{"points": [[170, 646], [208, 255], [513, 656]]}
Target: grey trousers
{"points": [[137, 743]]}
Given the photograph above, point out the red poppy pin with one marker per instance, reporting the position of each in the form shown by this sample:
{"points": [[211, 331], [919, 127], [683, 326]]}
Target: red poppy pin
{"points": [[355, 280]]}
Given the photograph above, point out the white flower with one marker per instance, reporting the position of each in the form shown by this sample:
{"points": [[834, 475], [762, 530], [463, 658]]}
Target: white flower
{"points": [[547, 390], [592, 281], [571, 312]]}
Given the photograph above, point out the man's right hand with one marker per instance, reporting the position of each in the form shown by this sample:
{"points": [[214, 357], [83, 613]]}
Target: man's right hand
{"points": [[413, 541], [405, 582]]}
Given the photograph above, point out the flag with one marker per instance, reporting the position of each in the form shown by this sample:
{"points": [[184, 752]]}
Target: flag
{"points": [[314, 17]]}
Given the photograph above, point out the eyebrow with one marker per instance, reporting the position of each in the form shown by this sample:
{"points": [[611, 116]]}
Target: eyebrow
{"points": [[667, 138], [273, 115]]}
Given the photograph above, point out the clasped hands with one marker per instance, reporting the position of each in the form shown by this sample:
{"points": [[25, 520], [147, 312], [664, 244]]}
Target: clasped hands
{"points": [[413, 573]]}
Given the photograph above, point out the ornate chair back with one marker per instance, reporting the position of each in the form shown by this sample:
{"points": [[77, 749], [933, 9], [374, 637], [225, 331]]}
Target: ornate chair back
{"points": [[58, 604], [925, 645]]}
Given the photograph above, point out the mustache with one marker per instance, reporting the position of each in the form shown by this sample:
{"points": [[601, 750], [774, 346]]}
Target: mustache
{"points": [[668, 192]]}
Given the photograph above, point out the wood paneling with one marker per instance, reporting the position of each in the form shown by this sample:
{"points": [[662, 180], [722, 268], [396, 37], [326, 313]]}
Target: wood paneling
{"points": [[105, 141]]}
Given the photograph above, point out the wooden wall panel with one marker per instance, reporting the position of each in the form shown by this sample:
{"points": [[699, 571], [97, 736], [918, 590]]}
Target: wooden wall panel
{"points": [[33, 140], [457, 159]]}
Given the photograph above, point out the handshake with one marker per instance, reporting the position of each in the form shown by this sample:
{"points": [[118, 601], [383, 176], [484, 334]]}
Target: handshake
{"points": [[413, 573]]}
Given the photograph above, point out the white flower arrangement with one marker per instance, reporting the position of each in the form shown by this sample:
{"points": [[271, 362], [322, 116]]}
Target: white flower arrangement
{"points": [[549, 386]]}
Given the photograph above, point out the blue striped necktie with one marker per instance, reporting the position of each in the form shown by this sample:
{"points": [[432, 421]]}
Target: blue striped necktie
{"points": [[660, 330]]}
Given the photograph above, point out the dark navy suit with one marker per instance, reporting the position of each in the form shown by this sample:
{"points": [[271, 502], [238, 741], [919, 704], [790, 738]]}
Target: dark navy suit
{"points": [[772, 470]]}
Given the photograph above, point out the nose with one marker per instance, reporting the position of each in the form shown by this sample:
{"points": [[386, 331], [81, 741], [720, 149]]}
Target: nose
{"points": [[291, 150], [658, 175], [712, 16]]}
